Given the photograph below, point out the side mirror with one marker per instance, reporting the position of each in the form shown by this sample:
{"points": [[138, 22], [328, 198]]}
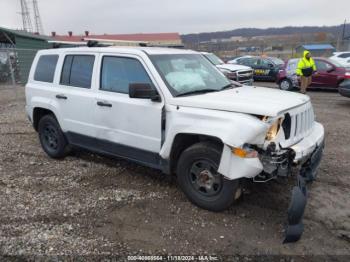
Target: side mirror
{"points": [[143, 91]]}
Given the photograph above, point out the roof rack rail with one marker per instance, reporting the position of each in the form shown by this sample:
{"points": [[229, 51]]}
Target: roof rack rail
{"points": [[94, 43], [98, 42], [166, 46]]}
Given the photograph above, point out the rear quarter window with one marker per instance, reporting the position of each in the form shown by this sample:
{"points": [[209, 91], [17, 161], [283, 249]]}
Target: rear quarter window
{"points": [[45, 68]]}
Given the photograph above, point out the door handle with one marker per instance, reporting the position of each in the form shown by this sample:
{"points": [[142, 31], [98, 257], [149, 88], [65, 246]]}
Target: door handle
{"points": [[99, 103], [61, 97]]}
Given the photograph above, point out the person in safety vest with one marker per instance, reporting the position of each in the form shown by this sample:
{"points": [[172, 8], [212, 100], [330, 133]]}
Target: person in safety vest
{"points": [[306, 67]]}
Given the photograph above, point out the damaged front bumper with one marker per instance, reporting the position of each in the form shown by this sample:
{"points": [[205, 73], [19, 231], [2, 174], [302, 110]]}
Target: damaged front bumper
{"points": [[280, 163], [275, 162], [298, 201], [306, 157]]}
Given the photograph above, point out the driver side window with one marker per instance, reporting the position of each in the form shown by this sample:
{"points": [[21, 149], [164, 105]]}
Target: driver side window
{"points": [[118, 72]]}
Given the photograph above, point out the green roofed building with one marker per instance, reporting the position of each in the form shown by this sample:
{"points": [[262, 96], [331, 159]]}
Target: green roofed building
{"points": [[24, 45], [21, 47]]}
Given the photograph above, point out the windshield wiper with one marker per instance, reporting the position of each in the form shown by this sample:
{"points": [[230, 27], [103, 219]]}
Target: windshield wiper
{"points": [[201, 91]]}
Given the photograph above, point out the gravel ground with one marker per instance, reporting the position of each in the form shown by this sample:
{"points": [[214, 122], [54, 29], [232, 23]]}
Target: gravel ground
{"points": [[92, 205]]}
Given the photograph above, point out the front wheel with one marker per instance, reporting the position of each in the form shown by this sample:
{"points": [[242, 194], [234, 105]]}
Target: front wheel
{"points": [[198, 177], [286, 85]]}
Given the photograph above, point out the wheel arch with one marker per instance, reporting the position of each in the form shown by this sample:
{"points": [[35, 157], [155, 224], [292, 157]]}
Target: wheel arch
{"points": [[182, 141], [279, 80], [38, 113]]}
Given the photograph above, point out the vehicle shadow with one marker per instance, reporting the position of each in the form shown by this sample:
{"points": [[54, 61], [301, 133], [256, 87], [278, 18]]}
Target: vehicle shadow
{"points": [[273, 195], [122, 164]]}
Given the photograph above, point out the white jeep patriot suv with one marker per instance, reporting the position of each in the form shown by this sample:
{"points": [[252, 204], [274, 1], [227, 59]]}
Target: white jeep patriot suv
{"points": [[172, 110]]}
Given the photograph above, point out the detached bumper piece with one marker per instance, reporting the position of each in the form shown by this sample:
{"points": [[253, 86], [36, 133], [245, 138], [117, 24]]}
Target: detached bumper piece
{"points": [[297, 205], [296, 210]]}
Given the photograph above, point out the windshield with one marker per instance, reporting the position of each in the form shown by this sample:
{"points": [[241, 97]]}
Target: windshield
{"points": [[189, 73], [276, 61], [214, 59]]}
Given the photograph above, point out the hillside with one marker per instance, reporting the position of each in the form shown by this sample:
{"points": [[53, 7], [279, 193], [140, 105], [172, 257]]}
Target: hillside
{"points": [[250, 32]]}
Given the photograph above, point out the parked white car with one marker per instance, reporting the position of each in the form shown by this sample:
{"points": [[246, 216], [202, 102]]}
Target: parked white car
{"points": [[239, 73], [342, 57], [236, 60], [173, 110]]}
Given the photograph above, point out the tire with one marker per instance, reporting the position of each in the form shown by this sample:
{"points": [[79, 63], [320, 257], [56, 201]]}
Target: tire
{"points": [[52, 138], [198, 178], [286, 85]]}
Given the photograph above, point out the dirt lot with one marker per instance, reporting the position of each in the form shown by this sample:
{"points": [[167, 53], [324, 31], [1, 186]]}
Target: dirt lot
{"points": [[91, 205]]}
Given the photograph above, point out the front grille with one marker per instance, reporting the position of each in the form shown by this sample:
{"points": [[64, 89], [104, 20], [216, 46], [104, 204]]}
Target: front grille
{"points": [[300, 121], [244, 75]]}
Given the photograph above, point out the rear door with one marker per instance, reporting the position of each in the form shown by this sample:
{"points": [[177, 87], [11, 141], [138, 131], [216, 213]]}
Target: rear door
{"points": [[128, 127], [75, 96]]}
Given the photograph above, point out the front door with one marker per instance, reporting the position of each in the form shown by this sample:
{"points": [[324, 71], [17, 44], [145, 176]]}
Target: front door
{"points": [[325, 76], [127, 127], [262, 69]]}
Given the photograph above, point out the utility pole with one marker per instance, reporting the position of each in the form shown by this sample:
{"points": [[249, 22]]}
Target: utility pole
{"points": [[344, 26], [37, 19], [27, 22]]}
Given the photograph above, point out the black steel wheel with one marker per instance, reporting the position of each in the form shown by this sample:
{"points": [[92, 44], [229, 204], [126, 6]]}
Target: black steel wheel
{"points": [[204, 177], [51, 137], [199, 179]]}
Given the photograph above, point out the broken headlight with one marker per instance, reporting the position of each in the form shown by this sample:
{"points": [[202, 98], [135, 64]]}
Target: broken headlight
{"points": [[273, 130]]}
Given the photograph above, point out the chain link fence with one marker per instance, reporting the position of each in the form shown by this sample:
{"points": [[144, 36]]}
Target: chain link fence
{"points": [[15, 66]]}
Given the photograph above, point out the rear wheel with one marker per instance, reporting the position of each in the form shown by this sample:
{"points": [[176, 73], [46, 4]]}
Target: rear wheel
{"points": [[286, 85], [51, 137], [198, 177]]}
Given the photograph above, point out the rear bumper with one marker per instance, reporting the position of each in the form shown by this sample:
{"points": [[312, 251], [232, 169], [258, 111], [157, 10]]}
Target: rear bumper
{"points": [[29, 112]]}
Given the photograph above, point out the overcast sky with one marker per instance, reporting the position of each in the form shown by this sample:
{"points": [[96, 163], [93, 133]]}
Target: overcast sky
{"points": [[183, 16]]}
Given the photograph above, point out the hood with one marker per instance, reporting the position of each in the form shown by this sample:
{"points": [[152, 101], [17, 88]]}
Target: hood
{"points": [[233, 67], [305, 53], [246, 99]]}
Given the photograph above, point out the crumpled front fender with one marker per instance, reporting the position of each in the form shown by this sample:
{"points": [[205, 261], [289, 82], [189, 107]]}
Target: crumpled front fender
{"points": [[233, 129]]}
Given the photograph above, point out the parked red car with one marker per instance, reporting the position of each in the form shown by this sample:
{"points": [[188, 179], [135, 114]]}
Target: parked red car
{"points": [[329, 74]]}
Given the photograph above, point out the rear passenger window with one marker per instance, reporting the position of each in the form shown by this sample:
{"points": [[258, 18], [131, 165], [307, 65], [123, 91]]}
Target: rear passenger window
{"points": [[45, 69], [118, 72], [77, 70]]}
